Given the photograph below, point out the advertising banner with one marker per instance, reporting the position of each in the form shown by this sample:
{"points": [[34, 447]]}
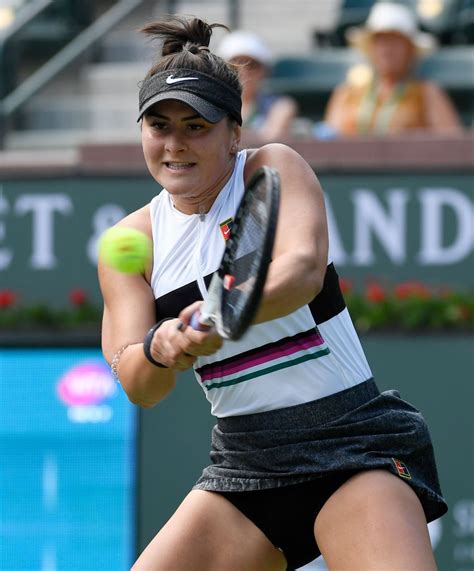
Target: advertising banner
{"points": [[68, 463], [395, 227]]}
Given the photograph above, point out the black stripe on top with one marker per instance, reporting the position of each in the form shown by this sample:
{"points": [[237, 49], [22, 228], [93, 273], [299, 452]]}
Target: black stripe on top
{"points": [[173, 302], [328, 303]]}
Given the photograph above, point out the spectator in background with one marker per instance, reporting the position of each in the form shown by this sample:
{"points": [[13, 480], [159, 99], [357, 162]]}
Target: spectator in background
{"points": [[269, 116], [387, 99]]}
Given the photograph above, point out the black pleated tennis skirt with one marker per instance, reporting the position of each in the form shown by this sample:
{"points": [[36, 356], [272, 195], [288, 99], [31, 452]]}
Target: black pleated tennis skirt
{"points": [[353, 430]]}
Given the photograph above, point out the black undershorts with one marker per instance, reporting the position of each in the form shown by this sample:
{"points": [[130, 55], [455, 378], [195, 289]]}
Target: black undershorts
{"points": [[286, 515]]}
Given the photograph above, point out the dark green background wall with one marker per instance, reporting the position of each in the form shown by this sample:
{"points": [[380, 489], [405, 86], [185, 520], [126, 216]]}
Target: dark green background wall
{"points": [[395, 227]]}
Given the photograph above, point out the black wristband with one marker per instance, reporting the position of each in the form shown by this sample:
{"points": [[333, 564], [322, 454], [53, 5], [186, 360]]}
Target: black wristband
{"points": [[147, 343]]}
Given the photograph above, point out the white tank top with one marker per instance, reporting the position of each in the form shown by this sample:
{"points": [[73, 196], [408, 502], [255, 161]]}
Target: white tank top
{"points": [[306, 355]]}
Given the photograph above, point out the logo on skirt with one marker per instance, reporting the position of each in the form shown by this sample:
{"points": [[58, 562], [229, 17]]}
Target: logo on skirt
{"points": [[402, 469]]}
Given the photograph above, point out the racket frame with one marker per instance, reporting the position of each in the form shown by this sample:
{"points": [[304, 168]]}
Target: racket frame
{"points": [[211, 309]]}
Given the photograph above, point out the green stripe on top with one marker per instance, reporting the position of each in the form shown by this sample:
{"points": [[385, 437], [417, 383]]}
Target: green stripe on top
{"points": [[273, 368]]}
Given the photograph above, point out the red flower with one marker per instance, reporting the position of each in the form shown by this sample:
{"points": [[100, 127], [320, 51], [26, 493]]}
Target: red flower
{"points": [[77, 296], [345, 285], [7, 298], [374, 292], [412, 289]]}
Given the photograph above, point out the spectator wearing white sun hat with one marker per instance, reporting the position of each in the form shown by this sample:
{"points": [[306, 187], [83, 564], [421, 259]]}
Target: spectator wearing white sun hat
{"points": [[388, 98], [269, 116]]}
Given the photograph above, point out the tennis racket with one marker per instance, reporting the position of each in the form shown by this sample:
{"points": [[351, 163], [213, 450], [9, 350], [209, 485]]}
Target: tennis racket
{"points": [[236, 288]]}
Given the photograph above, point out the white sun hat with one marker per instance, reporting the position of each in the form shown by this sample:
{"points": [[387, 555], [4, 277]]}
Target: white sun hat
{"points": [[390, 17], [242, 43]]}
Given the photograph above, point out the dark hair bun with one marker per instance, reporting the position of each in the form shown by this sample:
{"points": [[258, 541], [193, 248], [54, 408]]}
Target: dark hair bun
{"points": [[179, 34]]}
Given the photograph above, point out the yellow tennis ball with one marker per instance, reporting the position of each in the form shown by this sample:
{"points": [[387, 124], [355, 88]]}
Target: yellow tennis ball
{"points": [[125, 249]]}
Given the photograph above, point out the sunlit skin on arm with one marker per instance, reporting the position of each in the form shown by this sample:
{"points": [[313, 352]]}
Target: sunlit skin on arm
{"points": [[127, 318], [128, 314], [299, 261]]}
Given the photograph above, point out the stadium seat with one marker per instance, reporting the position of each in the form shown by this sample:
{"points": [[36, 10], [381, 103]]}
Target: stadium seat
{"points": [[40, 38], [464, 32], [56, 26], [324, 69], [351, 13]]}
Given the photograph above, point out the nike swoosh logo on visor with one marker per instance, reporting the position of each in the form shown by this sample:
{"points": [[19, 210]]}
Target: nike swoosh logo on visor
{"points": [[170, 79]]}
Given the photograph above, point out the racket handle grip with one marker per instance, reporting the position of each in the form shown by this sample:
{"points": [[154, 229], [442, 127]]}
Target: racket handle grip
{"points": [[196, 324]]}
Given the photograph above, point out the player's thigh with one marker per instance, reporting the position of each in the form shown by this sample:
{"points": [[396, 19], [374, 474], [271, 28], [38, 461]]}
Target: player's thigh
{"points": [[207, 533], [374, 522]]}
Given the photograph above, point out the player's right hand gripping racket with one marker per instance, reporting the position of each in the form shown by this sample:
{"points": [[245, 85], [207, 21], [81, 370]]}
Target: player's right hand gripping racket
{"points": [[236, 288]]}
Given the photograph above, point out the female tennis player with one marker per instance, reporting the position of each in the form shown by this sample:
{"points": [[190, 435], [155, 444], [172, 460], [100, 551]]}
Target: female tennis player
{"points": [[308, 457]]}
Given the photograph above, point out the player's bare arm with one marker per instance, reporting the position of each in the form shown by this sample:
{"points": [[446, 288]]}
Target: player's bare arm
{"points": [[299, 262]]}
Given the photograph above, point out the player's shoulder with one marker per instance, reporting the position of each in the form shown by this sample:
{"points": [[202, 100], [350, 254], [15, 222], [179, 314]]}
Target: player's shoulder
{"points": [[272, 154], [138, 219], [272, 151]]}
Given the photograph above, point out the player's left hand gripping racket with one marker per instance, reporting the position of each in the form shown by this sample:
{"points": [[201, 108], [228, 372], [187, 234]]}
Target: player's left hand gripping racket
{"points": [[236, 288]]}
